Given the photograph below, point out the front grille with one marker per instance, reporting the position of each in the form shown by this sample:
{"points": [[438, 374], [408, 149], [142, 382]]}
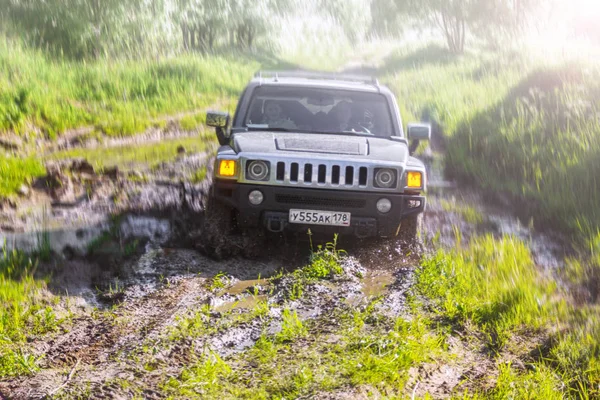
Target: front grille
{"points": [[320, 201], [337, 175]]}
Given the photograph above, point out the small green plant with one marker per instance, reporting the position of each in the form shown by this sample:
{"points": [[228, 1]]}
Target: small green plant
{"points": [[131, 248], [202, 378], [219, 281], [196, 325], [292, 327], [17, 363], [44, 249]]}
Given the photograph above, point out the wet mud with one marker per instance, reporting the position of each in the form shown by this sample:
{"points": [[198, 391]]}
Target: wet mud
{"points": [[132, 279]]}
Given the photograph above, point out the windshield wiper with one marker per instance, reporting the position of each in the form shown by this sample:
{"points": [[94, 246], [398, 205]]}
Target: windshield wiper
{"points": [[267, 128], [344, 133], [358, 133]]}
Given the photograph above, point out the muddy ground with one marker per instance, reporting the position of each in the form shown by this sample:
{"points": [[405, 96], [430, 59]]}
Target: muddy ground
{"points": [[127, 283]]}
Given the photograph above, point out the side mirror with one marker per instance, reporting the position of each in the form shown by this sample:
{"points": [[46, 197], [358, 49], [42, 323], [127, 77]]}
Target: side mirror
{"points": [[419, 131], [219, 120]]}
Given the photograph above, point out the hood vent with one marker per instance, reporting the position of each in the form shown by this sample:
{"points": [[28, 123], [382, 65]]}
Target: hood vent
{"points": [[322, 146]]}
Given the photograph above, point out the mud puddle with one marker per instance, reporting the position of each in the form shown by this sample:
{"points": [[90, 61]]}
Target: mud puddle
{"points": [[376, 283]]}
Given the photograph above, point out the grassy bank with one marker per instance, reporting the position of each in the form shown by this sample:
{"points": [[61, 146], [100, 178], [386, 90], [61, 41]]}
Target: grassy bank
{"points": [[513, 124], [131, 156], [493, 291], [119, 97]]}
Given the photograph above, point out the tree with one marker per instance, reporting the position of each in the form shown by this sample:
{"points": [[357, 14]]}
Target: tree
{"points": [[354, 16], [76, 28], [456, 18], [387, 18]]}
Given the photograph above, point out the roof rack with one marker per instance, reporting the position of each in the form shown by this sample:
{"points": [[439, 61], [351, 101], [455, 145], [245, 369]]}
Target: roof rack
{"points": [[317, 75]]}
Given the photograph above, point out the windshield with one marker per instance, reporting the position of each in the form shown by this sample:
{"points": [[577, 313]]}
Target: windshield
{"points": [[318, 110]]}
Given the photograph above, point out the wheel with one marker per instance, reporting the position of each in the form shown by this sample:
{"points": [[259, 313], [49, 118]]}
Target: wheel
{"points": [[408, 236], [216, 229], [254, 243]]}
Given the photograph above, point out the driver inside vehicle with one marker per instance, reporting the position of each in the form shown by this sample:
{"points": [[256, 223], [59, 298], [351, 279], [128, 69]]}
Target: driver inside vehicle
{"points": [[275, 118], [342, 118]]}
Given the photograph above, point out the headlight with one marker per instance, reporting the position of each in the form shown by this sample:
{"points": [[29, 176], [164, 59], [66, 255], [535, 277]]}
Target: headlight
{"points": [[414, 180], [257, 170], [227, 168], [385, 178]]}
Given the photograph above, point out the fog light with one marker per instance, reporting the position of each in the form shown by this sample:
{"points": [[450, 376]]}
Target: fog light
{"points": [[256, 197], [384, 206]]}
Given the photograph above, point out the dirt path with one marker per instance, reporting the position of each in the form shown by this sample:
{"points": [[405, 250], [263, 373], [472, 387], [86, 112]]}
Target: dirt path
{"points": [[131, 349]]}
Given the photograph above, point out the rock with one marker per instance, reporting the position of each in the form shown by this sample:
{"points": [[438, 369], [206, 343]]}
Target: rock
{"points": [[7, 228], [180, 150], [11, 144], [59, 184], [24, 190], [112, 172], [53, 168], [81, 165]]}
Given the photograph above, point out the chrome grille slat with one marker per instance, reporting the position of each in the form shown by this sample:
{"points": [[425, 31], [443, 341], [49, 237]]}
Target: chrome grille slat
{"points": [[301, 173], [315, 174], [328, 172]]}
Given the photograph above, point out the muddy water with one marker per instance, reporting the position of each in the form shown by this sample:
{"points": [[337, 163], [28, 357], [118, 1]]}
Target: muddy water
{"points": [[155, 264], [375, 283]]}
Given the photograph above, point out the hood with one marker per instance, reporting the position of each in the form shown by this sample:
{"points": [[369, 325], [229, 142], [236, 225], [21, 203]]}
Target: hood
{"points": [[340, 146]]}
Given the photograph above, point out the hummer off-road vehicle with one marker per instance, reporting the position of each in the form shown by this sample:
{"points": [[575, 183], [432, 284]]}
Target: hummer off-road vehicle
{"points": [[321, 151]]}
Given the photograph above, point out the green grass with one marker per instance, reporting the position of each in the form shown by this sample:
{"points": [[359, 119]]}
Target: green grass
{"points": [[15, 172], [119, 97], [467, 212], [513, 124], [494, 289], [300, 359], [23, 312], [304, 364], [449, 89], [493, 284], [131, 156], [541, 144]]}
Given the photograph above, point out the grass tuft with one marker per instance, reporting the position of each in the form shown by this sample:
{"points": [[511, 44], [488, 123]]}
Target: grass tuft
{"points": [[492, 283], [15, 172]]}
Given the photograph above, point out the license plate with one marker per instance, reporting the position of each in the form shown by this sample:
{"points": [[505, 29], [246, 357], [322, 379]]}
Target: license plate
{"points": [[315, 217]]}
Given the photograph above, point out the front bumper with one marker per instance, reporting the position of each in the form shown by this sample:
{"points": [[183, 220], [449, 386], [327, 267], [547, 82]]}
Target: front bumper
{"points": [[278, 200]]}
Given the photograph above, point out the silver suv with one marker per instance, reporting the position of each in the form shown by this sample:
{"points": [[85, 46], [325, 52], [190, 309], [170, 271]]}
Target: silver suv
{"points": [[321, 151]]}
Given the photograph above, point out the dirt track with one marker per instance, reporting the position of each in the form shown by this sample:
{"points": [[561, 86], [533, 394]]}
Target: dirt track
{"points": [[136, 335]]}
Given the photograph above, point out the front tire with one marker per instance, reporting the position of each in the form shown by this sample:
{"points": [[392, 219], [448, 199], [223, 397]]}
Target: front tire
{"points": [[215, 240], [409, 234]]}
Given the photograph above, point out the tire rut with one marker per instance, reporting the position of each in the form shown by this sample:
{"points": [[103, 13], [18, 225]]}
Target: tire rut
{"points": [[98, 342]]}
